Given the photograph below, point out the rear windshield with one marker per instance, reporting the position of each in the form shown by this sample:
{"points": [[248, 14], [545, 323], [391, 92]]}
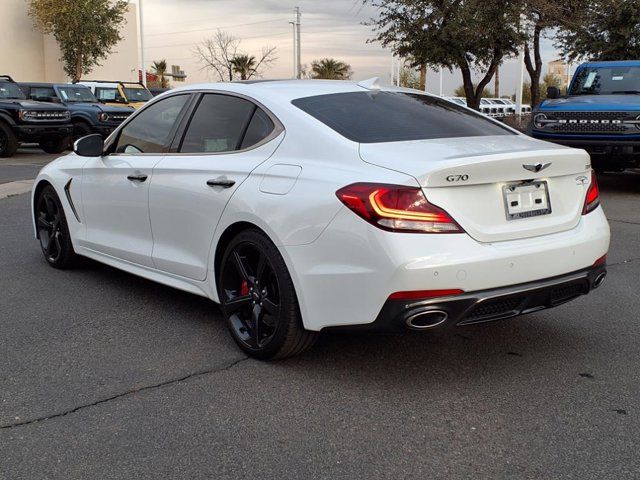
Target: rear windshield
{"points": [[372, 117]]}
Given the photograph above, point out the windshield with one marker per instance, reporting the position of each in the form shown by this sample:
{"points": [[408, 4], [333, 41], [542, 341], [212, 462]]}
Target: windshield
{"points": [[137, 94], [606, 81], [76, 94], [368, 117], [10, 90]]}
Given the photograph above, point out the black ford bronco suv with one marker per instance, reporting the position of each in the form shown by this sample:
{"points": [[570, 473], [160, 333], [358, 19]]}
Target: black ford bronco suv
{"points": [[88, 115], [25, 121]]}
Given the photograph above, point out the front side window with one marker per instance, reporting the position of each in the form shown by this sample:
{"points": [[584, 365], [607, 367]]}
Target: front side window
{"points": [[108, 94], [150, 130], [609, 80], [372, 117], [218, 125]]}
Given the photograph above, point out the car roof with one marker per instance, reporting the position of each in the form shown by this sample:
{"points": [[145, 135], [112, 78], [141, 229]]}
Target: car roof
{"points": [[615, 63], [292, 89], [46, 84]]}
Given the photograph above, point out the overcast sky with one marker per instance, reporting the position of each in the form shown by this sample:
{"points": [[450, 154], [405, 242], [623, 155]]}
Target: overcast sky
{"points": [[330, 28]]}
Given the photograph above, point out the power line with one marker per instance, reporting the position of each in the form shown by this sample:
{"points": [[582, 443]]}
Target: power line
{"points": [[214, 28]]}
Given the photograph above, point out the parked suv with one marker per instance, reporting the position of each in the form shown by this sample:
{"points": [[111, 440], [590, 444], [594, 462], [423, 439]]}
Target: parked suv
{"points": [[134, 94], [88, 115], [601, 113], [26, 121]]}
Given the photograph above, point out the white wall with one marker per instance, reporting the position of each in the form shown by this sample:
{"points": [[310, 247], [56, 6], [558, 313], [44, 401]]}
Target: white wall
{"points": [[27, 55]]}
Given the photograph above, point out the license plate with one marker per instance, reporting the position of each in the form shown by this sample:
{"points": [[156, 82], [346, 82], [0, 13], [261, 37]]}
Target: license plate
{"points": [[526, 200]]}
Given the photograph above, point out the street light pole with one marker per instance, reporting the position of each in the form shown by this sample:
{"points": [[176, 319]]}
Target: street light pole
{"points": [[298, 48], [141, 21]]}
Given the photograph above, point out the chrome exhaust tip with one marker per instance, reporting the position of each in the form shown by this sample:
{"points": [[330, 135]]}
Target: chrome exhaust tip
{"points": [[423, 320], [599, 279]]}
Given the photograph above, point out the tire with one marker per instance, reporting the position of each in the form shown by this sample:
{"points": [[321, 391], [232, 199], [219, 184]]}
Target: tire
{"points": [[255, 288], [80, 130], [53, 231], [55, 145], [8, 142]]}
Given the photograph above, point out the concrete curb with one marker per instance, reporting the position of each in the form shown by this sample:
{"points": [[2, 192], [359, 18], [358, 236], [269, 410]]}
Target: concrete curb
{"points": [[15, 188]]}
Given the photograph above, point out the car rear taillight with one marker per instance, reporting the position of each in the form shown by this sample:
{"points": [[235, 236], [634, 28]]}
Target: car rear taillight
{"points": [[593, 196], [397, 208]]}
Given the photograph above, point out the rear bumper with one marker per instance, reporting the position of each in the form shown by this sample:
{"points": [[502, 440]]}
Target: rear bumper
{"points": [[610, 150], [487, 305], [36, 133]]}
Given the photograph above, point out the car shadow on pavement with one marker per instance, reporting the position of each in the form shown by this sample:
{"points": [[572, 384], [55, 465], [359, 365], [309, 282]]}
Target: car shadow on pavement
{"points": [[519, 346]]}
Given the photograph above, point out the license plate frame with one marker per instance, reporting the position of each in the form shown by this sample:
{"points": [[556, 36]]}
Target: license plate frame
{"points": [[526, 199]]}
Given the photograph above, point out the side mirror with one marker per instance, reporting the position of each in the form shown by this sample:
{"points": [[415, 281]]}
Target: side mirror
{"points": [[89, 146], [553, 93]]}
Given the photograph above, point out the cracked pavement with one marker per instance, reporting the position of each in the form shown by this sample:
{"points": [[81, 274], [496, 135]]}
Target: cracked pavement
{"points": [[106, 375]]}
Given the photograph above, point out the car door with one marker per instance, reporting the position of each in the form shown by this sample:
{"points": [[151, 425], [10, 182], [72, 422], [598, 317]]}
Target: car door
{"points": [[115, 187], [224, 140]]}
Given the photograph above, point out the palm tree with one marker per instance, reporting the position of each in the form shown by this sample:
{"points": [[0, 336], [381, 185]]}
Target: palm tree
{"points": [[160, 69], [331, 69], [244, 65]]}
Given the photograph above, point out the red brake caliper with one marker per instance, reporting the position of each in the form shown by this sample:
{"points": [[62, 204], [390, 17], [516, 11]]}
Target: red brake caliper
{"points": [[244, 289]]}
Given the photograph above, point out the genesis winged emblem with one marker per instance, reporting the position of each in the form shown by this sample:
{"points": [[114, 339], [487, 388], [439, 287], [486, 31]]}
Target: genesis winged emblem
{"points": [[536, 167]]}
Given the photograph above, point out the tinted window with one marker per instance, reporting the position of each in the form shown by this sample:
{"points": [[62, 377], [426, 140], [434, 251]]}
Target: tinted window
{"points": [[260, 128], [42, 92], [217, 125], [370, 117], [10, 90], [149, 131]]}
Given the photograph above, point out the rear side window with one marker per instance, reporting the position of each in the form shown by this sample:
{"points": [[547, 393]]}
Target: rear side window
{"points": [[373, 117], [259, 128], [219, 125]]}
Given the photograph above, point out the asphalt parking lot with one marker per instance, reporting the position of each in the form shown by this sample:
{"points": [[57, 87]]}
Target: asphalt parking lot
{"points": [[105, 375]]}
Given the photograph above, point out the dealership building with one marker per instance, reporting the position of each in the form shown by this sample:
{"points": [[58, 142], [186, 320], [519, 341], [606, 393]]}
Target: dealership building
{"points": [[30, 56]]}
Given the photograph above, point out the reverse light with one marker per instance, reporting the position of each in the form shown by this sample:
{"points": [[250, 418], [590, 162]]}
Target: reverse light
{"points": [[397, 208], [593, 196], [419, 294]]}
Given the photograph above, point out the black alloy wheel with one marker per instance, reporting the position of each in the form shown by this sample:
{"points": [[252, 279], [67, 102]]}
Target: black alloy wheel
{"points": [[258, 299], [8, 141], [53, 232]]}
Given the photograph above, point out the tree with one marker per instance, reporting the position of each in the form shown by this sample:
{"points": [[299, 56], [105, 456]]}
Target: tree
{"points": [[244, 65], [410, 79], [471, 35], [549, 80], [331, 69], [160, 69], [217, 55], [86, 30], [541, 16], [602, 30], [460, 91]]}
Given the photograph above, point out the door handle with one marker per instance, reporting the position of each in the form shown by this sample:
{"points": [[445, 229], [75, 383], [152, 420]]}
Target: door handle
{"points": [[137, 178], [220, 182]]}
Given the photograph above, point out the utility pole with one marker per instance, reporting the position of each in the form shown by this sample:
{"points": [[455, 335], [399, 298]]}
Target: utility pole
{"points": [[519, 86], [141, 21], [298, 48], [295, 51]]}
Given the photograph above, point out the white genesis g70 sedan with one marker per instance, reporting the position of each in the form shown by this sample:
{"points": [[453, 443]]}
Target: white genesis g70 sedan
{"points": [[300, 206]]}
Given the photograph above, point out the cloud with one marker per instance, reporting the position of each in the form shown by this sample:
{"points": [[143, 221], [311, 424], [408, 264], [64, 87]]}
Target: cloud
{"points": [[330, 28]]}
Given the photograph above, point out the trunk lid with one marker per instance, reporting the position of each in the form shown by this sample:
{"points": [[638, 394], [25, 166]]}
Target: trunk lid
{"points": [[470, 177]]}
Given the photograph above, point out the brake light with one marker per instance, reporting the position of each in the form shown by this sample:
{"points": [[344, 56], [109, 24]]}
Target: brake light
{"points": [[601, 261], [419, 294], [593, 196], [397, 208]]}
